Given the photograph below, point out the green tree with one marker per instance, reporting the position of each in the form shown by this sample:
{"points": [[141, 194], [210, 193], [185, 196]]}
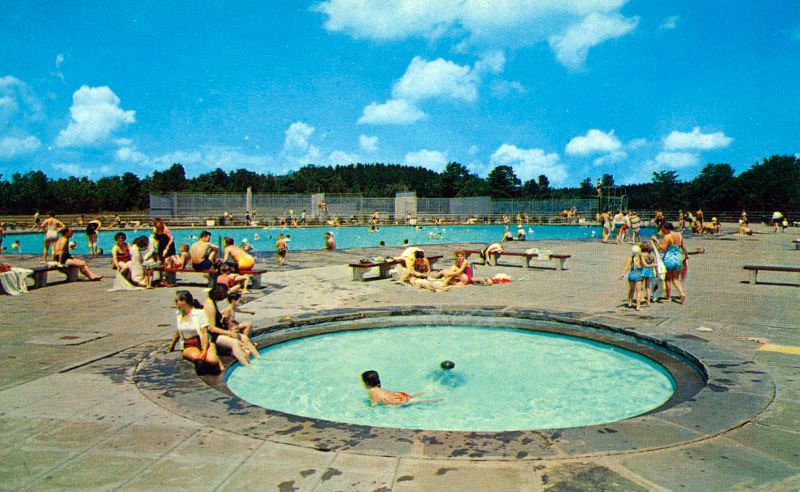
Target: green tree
{"points": [[667, 190], [503, 183], [773, 184], [714, 188], [172, 179], [453, 179], [587, 188]]}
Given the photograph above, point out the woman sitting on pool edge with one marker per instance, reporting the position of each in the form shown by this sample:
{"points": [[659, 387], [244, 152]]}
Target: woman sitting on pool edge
{"points": [[192, 330], [372, 381]]}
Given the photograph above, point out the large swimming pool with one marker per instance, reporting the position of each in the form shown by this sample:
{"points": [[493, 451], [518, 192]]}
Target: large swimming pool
{"points": [[306, 238], [504, 379]]}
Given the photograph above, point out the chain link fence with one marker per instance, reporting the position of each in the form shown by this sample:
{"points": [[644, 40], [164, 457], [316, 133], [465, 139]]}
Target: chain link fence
{"points": [[271, 207]]}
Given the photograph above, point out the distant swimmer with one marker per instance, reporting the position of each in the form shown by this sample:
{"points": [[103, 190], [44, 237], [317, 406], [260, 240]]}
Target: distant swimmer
{"points": [[256, 237]]}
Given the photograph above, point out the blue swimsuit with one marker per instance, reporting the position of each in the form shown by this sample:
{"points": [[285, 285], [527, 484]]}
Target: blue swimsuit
{"points": [[673, 258]]}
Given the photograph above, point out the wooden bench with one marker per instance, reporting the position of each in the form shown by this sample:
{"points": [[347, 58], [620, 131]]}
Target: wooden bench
{"points": [[754, 269], [39, 274], [170, 275], [360, 269], [526, 258]]}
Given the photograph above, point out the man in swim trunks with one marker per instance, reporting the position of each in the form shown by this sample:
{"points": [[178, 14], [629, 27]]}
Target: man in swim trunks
{"points": [[237, 257], [203, 253]]}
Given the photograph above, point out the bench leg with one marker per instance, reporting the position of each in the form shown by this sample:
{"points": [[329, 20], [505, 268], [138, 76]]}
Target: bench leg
{"points": [[210, 279], [493, 260], [39, 279], [256, 281], [561, 262], [526, 262], [383, 271], [753, 276], [358, 273], [171, 277], [72, 274]]}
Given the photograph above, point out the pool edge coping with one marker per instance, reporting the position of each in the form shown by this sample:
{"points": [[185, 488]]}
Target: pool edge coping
{"points": [[727, 401]]}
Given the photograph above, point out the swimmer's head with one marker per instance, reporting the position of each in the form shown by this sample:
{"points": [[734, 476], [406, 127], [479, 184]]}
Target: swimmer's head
{"points": [[371, 379], [635, 249], [447, 365]]}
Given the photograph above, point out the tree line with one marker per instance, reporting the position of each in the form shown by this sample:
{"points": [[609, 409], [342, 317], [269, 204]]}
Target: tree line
{"points": [[773, 183]]}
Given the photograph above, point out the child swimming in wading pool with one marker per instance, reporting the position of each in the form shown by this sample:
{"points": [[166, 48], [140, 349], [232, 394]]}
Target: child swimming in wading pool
{"points": [[372, 381]]}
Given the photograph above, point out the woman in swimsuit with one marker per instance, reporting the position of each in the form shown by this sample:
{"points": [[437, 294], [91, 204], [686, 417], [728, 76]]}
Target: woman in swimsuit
{"points": [[460, 273], [51, 226], [91, 235], [224, 338], [165, 245], [674, 253], [61, 255], [192, 331], [418, 274], [121, 253]]}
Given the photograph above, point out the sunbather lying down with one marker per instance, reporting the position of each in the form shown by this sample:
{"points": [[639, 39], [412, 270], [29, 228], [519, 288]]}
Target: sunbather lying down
{"points": [[418, 274]]}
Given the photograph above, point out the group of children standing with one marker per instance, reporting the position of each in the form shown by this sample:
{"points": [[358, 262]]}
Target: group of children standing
{"points": [[641, 274]]}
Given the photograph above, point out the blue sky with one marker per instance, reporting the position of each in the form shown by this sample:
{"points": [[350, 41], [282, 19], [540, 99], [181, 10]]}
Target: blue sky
{"points": [[567, 88]]}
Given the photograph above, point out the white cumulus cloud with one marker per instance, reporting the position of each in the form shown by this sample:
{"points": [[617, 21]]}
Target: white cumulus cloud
{"points": [[297, 135], [367, 143], [130, 154], [18, 101], [572, 46], [392, 112], [530, 163], [95, 115], [476, 23], [16, 146], [615, 156], [677, 159], [431, 159], [438, 78], [340, 158], [593, 142], [82, 170], [696, 139]]}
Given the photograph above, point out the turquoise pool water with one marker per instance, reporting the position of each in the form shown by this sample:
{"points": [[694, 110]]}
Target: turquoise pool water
{"points": [[305, 238], [504, 379]]}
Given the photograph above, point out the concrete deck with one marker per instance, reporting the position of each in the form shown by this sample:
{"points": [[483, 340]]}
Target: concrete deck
{"points": [[73, 416]]}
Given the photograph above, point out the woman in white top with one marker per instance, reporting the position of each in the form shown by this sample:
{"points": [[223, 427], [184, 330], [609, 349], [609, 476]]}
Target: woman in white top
{"points": [[141, 265], [192, 331]]}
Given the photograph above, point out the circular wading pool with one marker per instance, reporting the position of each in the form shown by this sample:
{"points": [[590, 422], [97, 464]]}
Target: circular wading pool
{"points": [[526, 385], [504, 379]]}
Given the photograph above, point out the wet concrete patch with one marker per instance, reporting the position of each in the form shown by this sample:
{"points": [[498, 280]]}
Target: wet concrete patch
{"points": [[67, 338], [585, 476]]}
